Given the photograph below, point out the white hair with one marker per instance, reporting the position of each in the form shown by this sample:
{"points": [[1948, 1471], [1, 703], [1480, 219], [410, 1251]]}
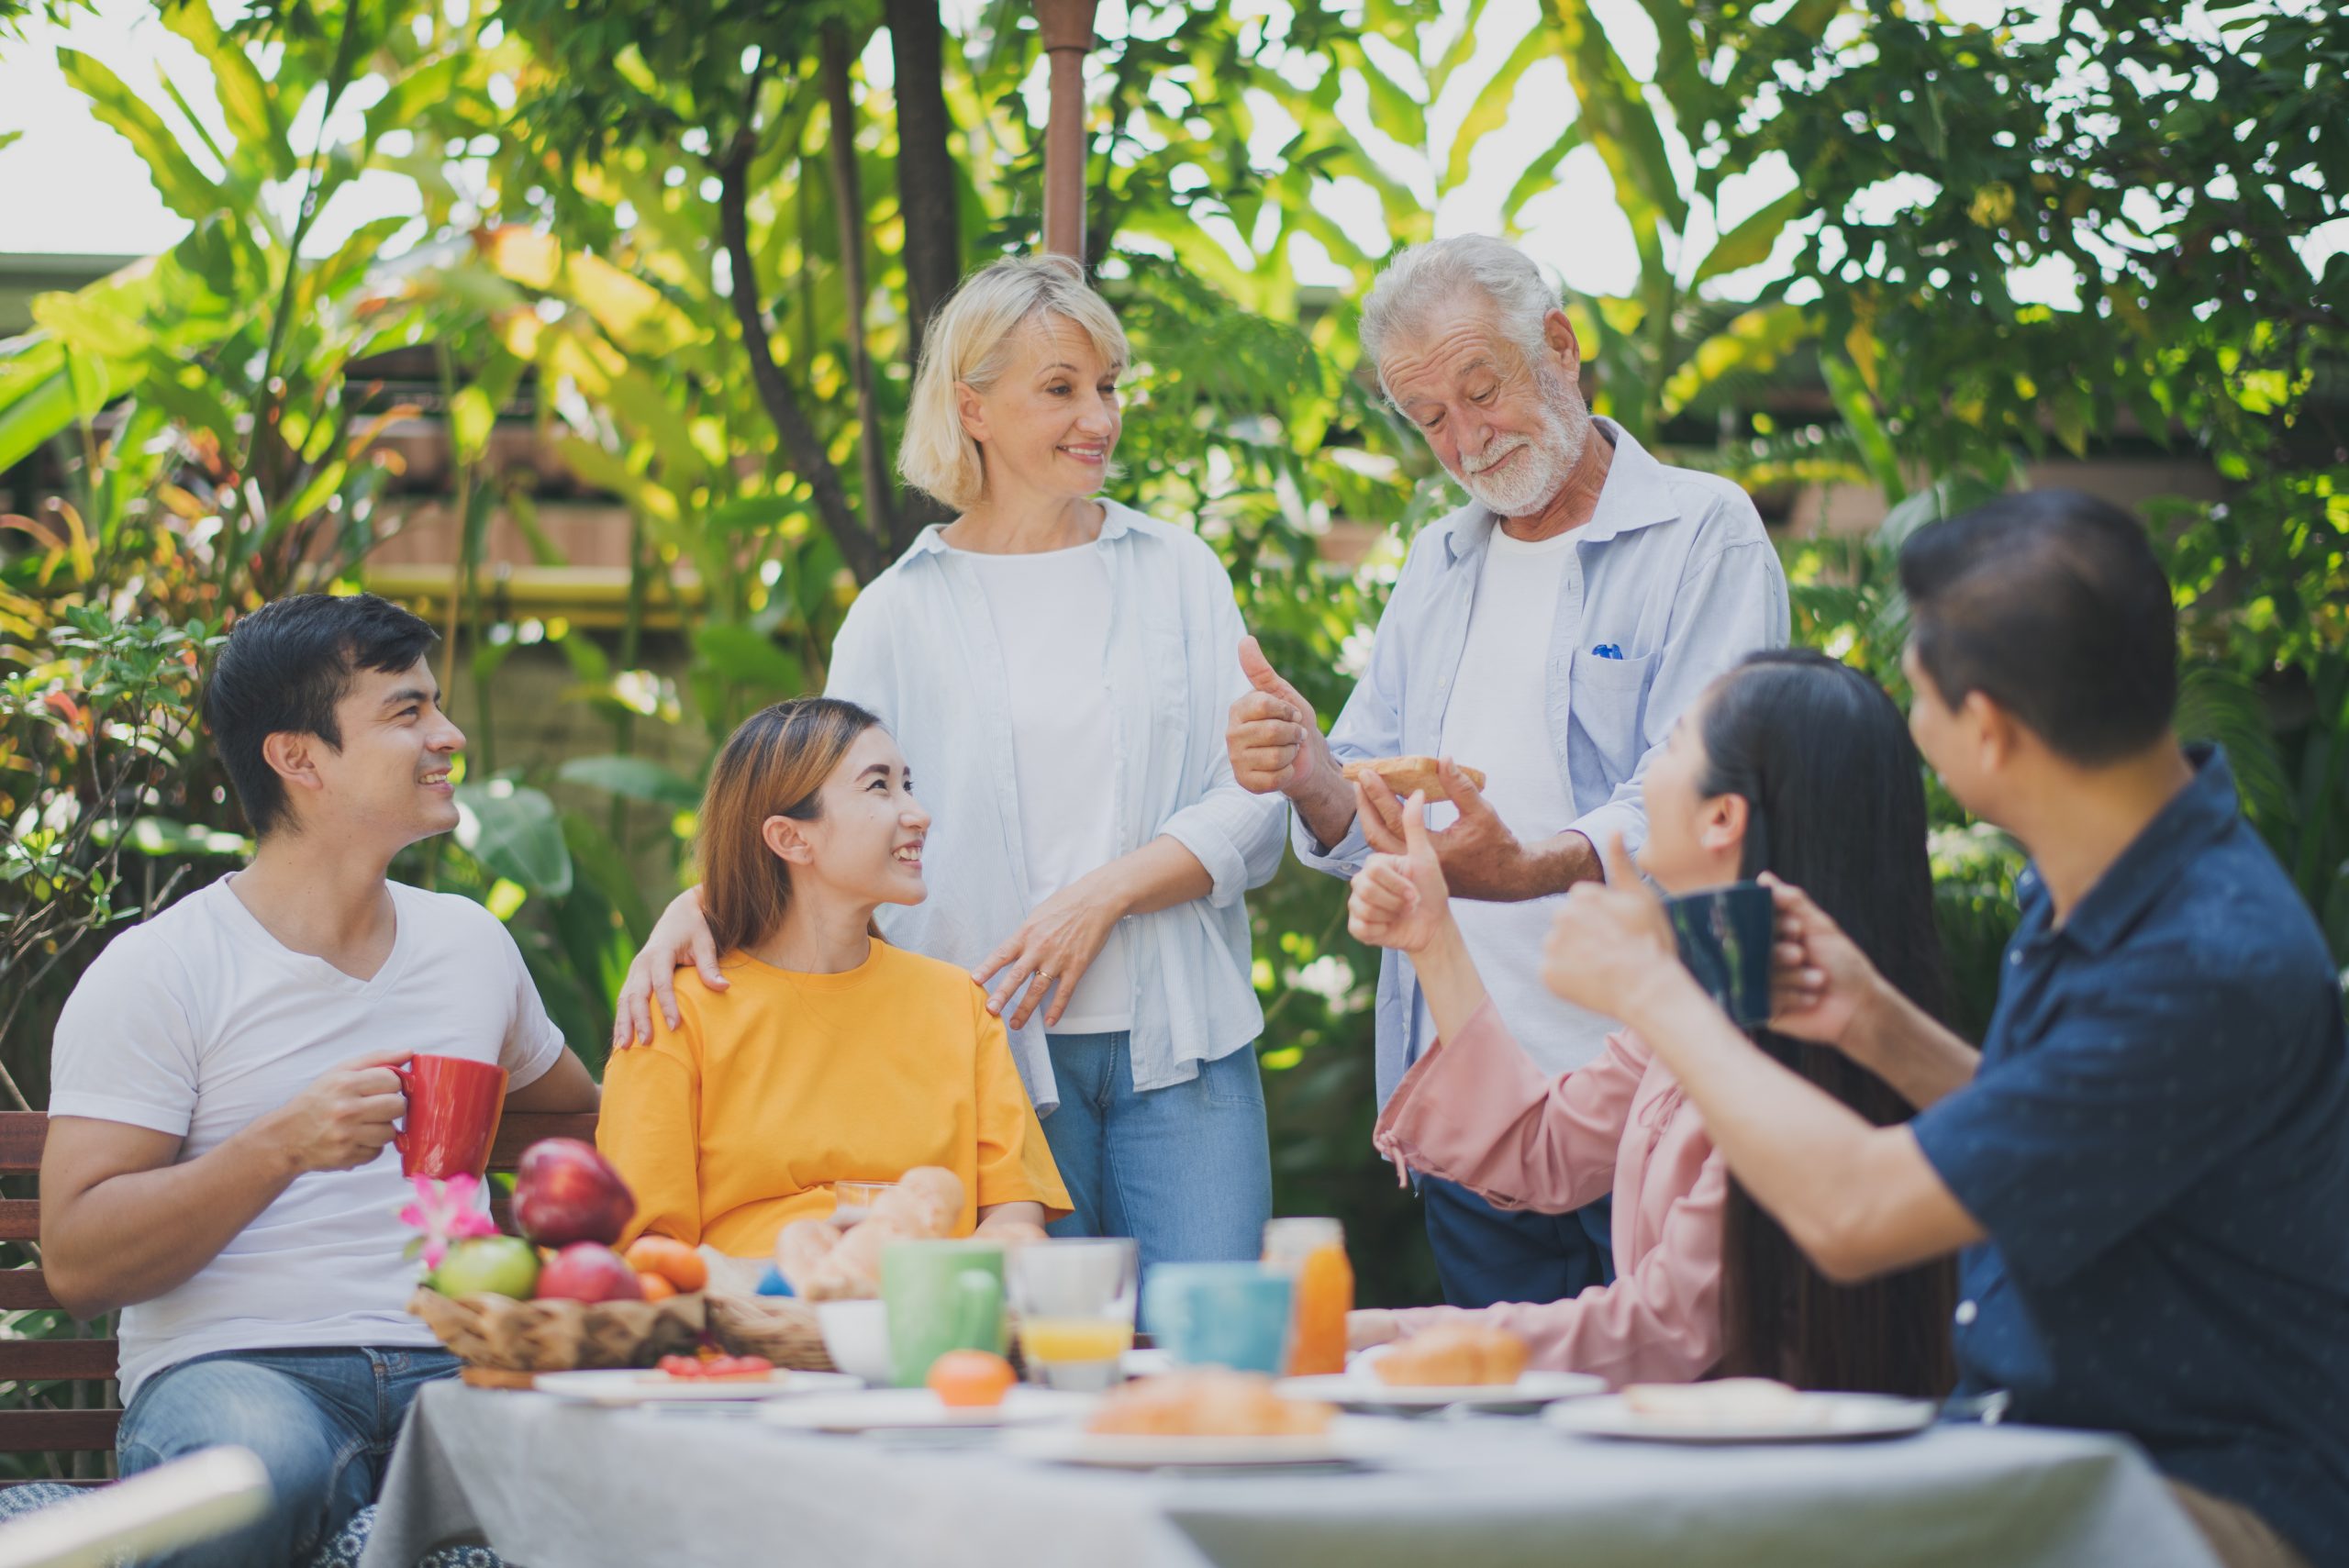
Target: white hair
{"points": [[970, 341], [1422, 279]]}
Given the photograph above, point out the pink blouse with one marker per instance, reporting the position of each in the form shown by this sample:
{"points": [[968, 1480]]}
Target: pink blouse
{"points": [[1476, 1111]]}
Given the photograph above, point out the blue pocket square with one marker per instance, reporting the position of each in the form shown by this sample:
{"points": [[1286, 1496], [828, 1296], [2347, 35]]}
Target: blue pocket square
{"points": [[1609, 651]]}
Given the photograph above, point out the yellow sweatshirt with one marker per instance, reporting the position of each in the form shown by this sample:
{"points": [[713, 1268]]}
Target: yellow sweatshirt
{"points": [[738, 1121]]}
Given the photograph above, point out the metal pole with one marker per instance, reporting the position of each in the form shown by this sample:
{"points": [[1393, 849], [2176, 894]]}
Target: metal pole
{"points": [[1067, 28]]}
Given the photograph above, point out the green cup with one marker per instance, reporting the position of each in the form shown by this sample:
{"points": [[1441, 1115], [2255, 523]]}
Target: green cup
{"points": [[940, 1297]]}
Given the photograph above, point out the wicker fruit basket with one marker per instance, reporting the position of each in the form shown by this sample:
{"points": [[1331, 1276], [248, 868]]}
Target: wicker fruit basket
{"points": [[780, 1328], [505, 1335]]}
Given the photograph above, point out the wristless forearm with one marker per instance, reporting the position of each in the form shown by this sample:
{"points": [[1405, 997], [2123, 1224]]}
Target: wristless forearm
{"points": [[1327, 806], [1911, 1049], [1555, 864], [1448, 975], [134, 1237], [1159, 875]]}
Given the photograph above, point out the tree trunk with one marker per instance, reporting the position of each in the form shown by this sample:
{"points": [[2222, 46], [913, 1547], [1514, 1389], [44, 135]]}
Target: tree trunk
{"points": [[847, 202], [927, 187], [801, 445]]}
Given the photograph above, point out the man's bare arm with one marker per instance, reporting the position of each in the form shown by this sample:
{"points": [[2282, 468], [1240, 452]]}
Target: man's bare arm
{"points": [[121, 1222], [565, 1086]]}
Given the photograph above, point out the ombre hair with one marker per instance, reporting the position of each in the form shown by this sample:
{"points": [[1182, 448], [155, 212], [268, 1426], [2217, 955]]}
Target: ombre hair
{"points": [[970, 341], [774, 765]]}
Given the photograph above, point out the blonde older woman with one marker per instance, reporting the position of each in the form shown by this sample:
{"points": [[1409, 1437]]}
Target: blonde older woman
{"points": [[1057, 667]]}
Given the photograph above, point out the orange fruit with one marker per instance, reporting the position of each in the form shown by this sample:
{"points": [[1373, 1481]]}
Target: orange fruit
{"points": [[970, 1378], [655, 1287], [670, 1258]]}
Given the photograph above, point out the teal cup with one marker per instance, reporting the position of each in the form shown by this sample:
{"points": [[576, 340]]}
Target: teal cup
{"points": [[1234, 1314]]}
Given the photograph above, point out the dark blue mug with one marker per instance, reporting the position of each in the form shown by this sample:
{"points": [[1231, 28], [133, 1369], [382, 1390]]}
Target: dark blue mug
{"points": [[1725, 935]]}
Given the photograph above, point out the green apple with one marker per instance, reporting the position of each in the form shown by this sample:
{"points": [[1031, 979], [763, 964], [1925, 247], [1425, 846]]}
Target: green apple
{"points": [[488, 1265]]}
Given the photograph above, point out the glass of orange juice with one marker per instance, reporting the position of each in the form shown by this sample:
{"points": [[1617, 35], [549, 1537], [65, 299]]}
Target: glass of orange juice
{"points": [[1074, 1303], [1312, 1252]]}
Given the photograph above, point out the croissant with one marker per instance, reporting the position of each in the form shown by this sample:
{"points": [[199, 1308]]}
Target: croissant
{"points": [[822, 1262]]}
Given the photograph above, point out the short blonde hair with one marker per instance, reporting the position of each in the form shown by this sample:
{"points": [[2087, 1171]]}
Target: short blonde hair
{"points": [[970, 341]]}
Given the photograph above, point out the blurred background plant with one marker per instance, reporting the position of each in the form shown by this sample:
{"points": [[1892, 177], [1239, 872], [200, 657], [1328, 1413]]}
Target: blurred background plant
{"points": [[683, 254]]}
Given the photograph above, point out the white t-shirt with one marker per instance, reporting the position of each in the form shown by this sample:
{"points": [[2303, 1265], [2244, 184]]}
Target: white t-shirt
{"points": [[1051, 617], [1496, 721], [199, 1022]]}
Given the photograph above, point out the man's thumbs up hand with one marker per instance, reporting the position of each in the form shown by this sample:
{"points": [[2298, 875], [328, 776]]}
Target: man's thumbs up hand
{"points": [[1273, 738], [1267, 680]]}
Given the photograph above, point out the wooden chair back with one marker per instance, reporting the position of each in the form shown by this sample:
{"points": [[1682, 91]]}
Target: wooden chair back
{"points": [[22, 1136]]}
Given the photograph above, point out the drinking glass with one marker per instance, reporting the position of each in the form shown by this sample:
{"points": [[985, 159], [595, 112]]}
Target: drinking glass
{"points": [[1074, 1303], [853, 1201]]}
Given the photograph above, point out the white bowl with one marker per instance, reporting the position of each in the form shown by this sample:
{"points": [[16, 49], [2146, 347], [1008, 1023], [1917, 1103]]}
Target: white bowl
{"points": [[856, 1336]]}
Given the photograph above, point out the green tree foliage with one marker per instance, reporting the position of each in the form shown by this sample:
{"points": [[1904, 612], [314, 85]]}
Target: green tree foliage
{"points": [[2164, 167]]}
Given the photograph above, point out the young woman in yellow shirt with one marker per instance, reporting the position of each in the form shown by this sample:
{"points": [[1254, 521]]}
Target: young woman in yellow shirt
{"points": [[831, 1056]]}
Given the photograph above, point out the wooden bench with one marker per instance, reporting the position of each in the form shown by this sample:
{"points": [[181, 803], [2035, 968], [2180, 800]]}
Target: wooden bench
{"points": [[22, 1135]]}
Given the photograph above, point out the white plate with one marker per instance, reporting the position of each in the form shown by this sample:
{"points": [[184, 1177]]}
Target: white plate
{"points": [[1346, 1442], [629, 1386], [1145, 1363], [881, 1409], [1819, 1418], [1362, 1390]]}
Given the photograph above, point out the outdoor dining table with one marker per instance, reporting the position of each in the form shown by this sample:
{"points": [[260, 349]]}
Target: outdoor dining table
{"points": [[554, 1484]]}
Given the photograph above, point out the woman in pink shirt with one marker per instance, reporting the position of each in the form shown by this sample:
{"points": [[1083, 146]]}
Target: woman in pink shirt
{"points": [[1792, 764]]}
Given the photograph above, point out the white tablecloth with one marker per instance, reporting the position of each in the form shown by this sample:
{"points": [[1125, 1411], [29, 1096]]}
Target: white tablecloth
{"points": [[558, 1485]]}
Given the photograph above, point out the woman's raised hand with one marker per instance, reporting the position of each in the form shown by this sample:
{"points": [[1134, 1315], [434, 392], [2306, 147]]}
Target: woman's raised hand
{"points": [[1400, 900], [1050, 952], [681, 937]]}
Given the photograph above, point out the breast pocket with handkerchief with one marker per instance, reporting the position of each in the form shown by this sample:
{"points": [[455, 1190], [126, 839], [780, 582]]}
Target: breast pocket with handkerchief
{"points": [[1607, 695]]}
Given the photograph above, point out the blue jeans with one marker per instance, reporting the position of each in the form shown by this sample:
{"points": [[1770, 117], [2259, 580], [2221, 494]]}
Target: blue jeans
{"points": [[1186, 1171], [322, 1421], [1485, 1254]]}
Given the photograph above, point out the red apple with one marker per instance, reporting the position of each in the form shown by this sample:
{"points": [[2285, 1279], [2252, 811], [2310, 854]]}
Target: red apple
{"points": [[588, 1270], [565, 1192]]}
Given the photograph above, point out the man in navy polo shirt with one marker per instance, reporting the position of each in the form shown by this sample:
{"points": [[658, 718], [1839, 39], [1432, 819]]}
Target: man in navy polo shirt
{"points": [[2147, 1163]]}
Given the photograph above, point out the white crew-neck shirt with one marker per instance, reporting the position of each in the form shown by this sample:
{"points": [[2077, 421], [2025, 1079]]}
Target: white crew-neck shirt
{"points": [[199, 1022], [1051, 612], [1494, 722]]}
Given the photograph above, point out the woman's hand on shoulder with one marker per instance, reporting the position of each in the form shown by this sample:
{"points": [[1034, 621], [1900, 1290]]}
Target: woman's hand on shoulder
{"points": [[681, 937]]}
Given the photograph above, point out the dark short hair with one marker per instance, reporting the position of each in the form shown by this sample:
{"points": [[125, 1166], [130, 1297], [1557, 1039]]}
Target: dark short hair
{"points": [[2052, 604], [286, 667]]}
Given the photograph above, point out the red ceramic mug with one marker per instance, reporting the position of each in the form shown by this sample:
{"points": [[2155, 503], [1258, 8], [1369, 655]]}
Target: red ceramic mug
{"points": [[454, 1105]]}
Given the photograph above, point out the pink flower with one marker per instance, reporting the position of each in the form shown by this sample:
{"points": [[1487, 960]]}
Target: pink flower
{"points": [[446, 1212]]}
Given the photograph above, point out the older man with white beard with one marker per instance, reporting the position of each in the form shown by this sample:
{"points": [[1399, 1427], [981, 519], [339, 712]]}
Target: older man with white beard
{"points": [[1548, 633]]}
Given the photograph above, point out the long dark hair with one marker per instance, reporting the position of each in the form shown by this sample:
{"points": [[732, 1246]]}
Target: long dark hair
{"points": [[1836, 802]]}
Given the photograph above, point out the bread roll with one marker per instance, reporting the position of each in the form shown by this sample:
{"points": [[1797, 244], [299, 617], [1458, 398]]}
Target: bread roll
{"points": [[1405, 775], [1207, 1402], [822, 1262], [1726, 1402], [1454, 1356]]}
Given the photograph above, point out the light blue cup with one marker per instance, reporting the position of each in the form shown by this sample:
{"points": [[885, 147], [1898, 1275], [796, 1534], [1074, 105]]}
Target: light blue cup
{"points": [[1234, 1314]]}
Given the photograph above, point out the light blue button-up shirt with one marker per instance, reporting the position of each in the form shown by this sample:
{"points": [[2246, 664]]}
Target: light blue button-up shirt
{"points": [[920, 649], [1673, 576]]}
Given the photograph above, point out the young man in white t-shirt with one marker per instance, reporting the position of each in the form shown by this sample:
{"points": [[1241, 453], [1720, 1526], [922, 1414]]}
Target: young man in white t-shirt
{"points": [[223, 1096]]}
